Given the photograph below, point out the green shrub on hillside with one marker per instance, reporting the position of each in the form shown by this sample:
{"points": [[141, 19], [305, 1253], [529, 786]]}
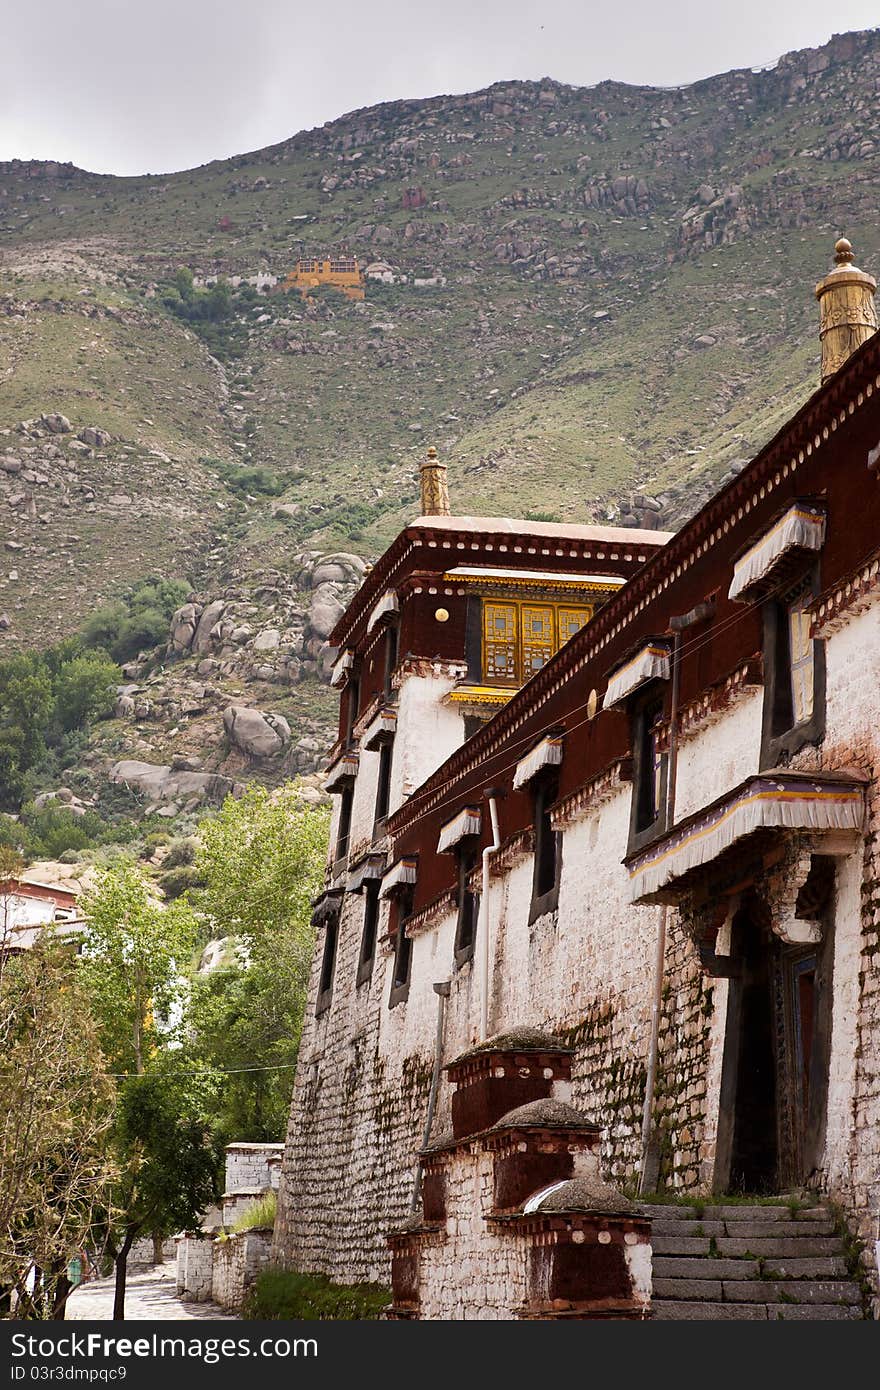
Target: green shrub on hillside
{"points": [[137, 621]]}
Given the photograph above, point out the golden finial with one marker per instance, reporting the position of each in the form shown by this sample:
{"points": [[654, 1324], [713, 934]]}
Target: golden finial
{"points": [[846, 305], [434, 487]]}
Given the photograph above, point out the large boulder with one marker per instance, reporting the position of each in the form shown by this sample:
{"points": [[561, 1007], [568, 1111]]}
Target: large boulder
{"points": [[254, 733], [211, 615], [96, 438], [56, 424], [161, 783], [325, 610], [183, 626]]}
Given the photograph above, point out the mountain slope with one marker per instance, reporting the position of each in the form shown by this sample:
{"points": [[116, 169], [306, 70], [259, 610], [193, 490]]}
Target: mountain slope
{"points": [[621, 304]]}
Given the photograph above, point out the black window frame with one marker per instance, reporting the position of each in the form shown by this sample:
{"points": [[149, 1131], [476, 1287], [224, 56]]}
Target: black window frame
{"points": [[328, 963], [545, 792], [781, 738], [467, 921], [343, 825], [401, 970], [354, 699], [392, 655], [370, 931], [646, 708], [383, 786]]}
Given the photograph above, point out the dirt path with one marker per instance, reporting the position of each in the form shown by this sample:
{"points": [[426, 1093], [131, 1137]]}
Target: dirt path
{"points": [[149, 1296]]}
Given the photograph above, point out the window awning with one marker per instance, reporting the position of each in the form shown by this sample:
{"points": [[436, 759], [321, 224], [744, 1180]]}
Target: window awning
{"points": [[801, 528], [325, 906], [381, 730], [548, 753], [385, 608], [649, 664], [344, 770], [779, 800], [373, 866], [400, 874], [341, 667], [467, 822]]}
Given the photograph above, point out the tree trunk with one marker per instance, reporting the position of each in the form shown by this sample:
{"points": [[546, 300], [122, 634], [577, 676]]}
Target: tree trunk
{"points": [[62, 1291], [121, 1271], [158, 1254]]}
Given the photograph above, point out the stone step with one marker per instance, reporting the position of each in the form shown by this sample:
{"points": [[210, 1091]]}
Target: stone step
{"points": [[786, 1291], [811, 1312], [689, 1228], [683, 1245], [744, 1229], [683, 1267], [669, 1310], [697, 1289], [680, 1267], [819, 1267], [662, 1215], [777, 1248]]}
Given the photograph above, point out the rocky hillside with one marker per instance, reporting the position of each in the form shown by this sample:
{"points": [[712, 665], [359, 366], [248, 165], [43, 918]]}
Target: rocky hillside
{"points": [[596, 301]]}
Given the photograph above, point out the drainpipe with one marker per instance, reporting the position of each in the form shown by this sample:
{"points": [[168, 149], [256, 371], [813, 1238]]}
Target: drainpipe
{"points": [[442, 991], [677, 625], [483, 921]]}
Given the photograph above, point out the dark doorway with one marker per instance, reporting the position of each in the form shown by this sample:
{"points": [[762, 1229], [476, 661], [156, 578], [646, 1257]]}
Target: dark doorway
{"points": [[748, 1092]]}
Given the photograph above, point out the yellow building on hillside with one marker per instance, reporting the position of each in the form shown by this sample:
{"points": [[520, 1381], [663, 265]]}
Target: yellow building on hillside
{"points": [[342, 272]]}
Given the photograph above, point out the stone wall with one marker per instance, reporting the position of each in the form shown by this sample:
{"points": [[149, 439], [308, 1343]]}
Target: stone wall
{"points": [[237, 1261], [195, 1267], [584, 972], [252, 1167]]}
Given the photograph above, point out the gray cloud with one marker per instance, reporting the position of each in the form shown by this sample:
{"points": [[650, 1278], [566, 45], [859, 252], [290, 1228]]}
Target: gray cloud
{"points": [[128, 87]]}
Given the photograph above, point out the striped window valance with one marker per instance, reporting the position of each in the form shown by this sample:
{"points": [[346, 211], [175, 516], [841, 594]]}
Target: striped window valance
{"points": [[548, 753], [343, 771], [341, 667], [801, 528], [467, 822], [781, 800], [649, 664], [398, 876], [373, 866], [381, 730], [385, 608]]}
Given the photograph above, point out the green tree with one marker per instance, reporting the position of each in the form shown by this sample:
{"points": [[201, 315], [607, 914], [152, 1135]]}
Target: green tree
{"points": [[135, 954], [55, 1172], [84, 689], [167, 1164], [262, 862], [137, 621]]}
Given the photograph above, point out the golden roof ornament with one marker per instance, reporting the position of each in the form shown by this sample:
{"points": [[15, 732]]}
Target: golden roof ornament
{"points": [[846, 305], [434, 487]]}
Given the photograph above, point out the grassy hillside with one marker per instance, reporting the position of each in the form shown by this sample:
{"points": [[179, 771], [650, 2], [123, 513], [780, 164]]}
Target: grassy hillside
{"points": [[624, 305]]}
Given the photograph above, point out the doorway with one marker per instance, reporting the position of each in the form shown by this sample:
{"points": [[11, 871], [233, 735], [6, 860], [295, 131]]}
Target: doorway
{"points": [[748, 1088]]}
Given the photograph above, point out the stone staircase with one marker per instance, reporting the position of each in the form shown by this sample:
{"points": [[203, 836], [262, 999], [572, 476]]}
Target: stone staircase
{"points": [[763, 1262]]}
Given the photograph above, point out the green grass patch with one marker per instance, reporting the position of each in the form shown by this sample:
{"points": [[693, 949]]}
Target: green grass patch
{"points": [[314, 1298], [257, 1215]]}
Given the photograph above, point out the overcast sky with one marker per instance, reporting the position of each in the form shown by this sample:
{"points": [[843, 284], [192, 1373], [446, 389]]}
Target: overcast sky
{"points": [[135, 86]]}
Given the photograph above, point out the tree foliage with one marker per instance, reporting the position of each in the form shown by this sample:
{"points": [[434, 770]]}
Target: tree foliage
{"points": [[135, 954], [167, 1164], [44, 698], [137, 621], [261, 861], [55, 1171]]}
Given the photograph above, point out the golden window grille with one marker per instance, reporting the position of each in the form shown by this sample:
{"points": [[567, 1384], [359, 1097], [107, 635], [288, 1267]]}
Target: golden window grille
{"points": [[520, 638], [801, 659]]}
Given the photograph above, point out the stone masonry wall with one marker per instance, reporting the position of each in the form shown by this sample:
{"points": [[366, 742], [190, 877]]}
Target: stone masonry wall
{"points": [[236, 1263], [585, 974]]}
